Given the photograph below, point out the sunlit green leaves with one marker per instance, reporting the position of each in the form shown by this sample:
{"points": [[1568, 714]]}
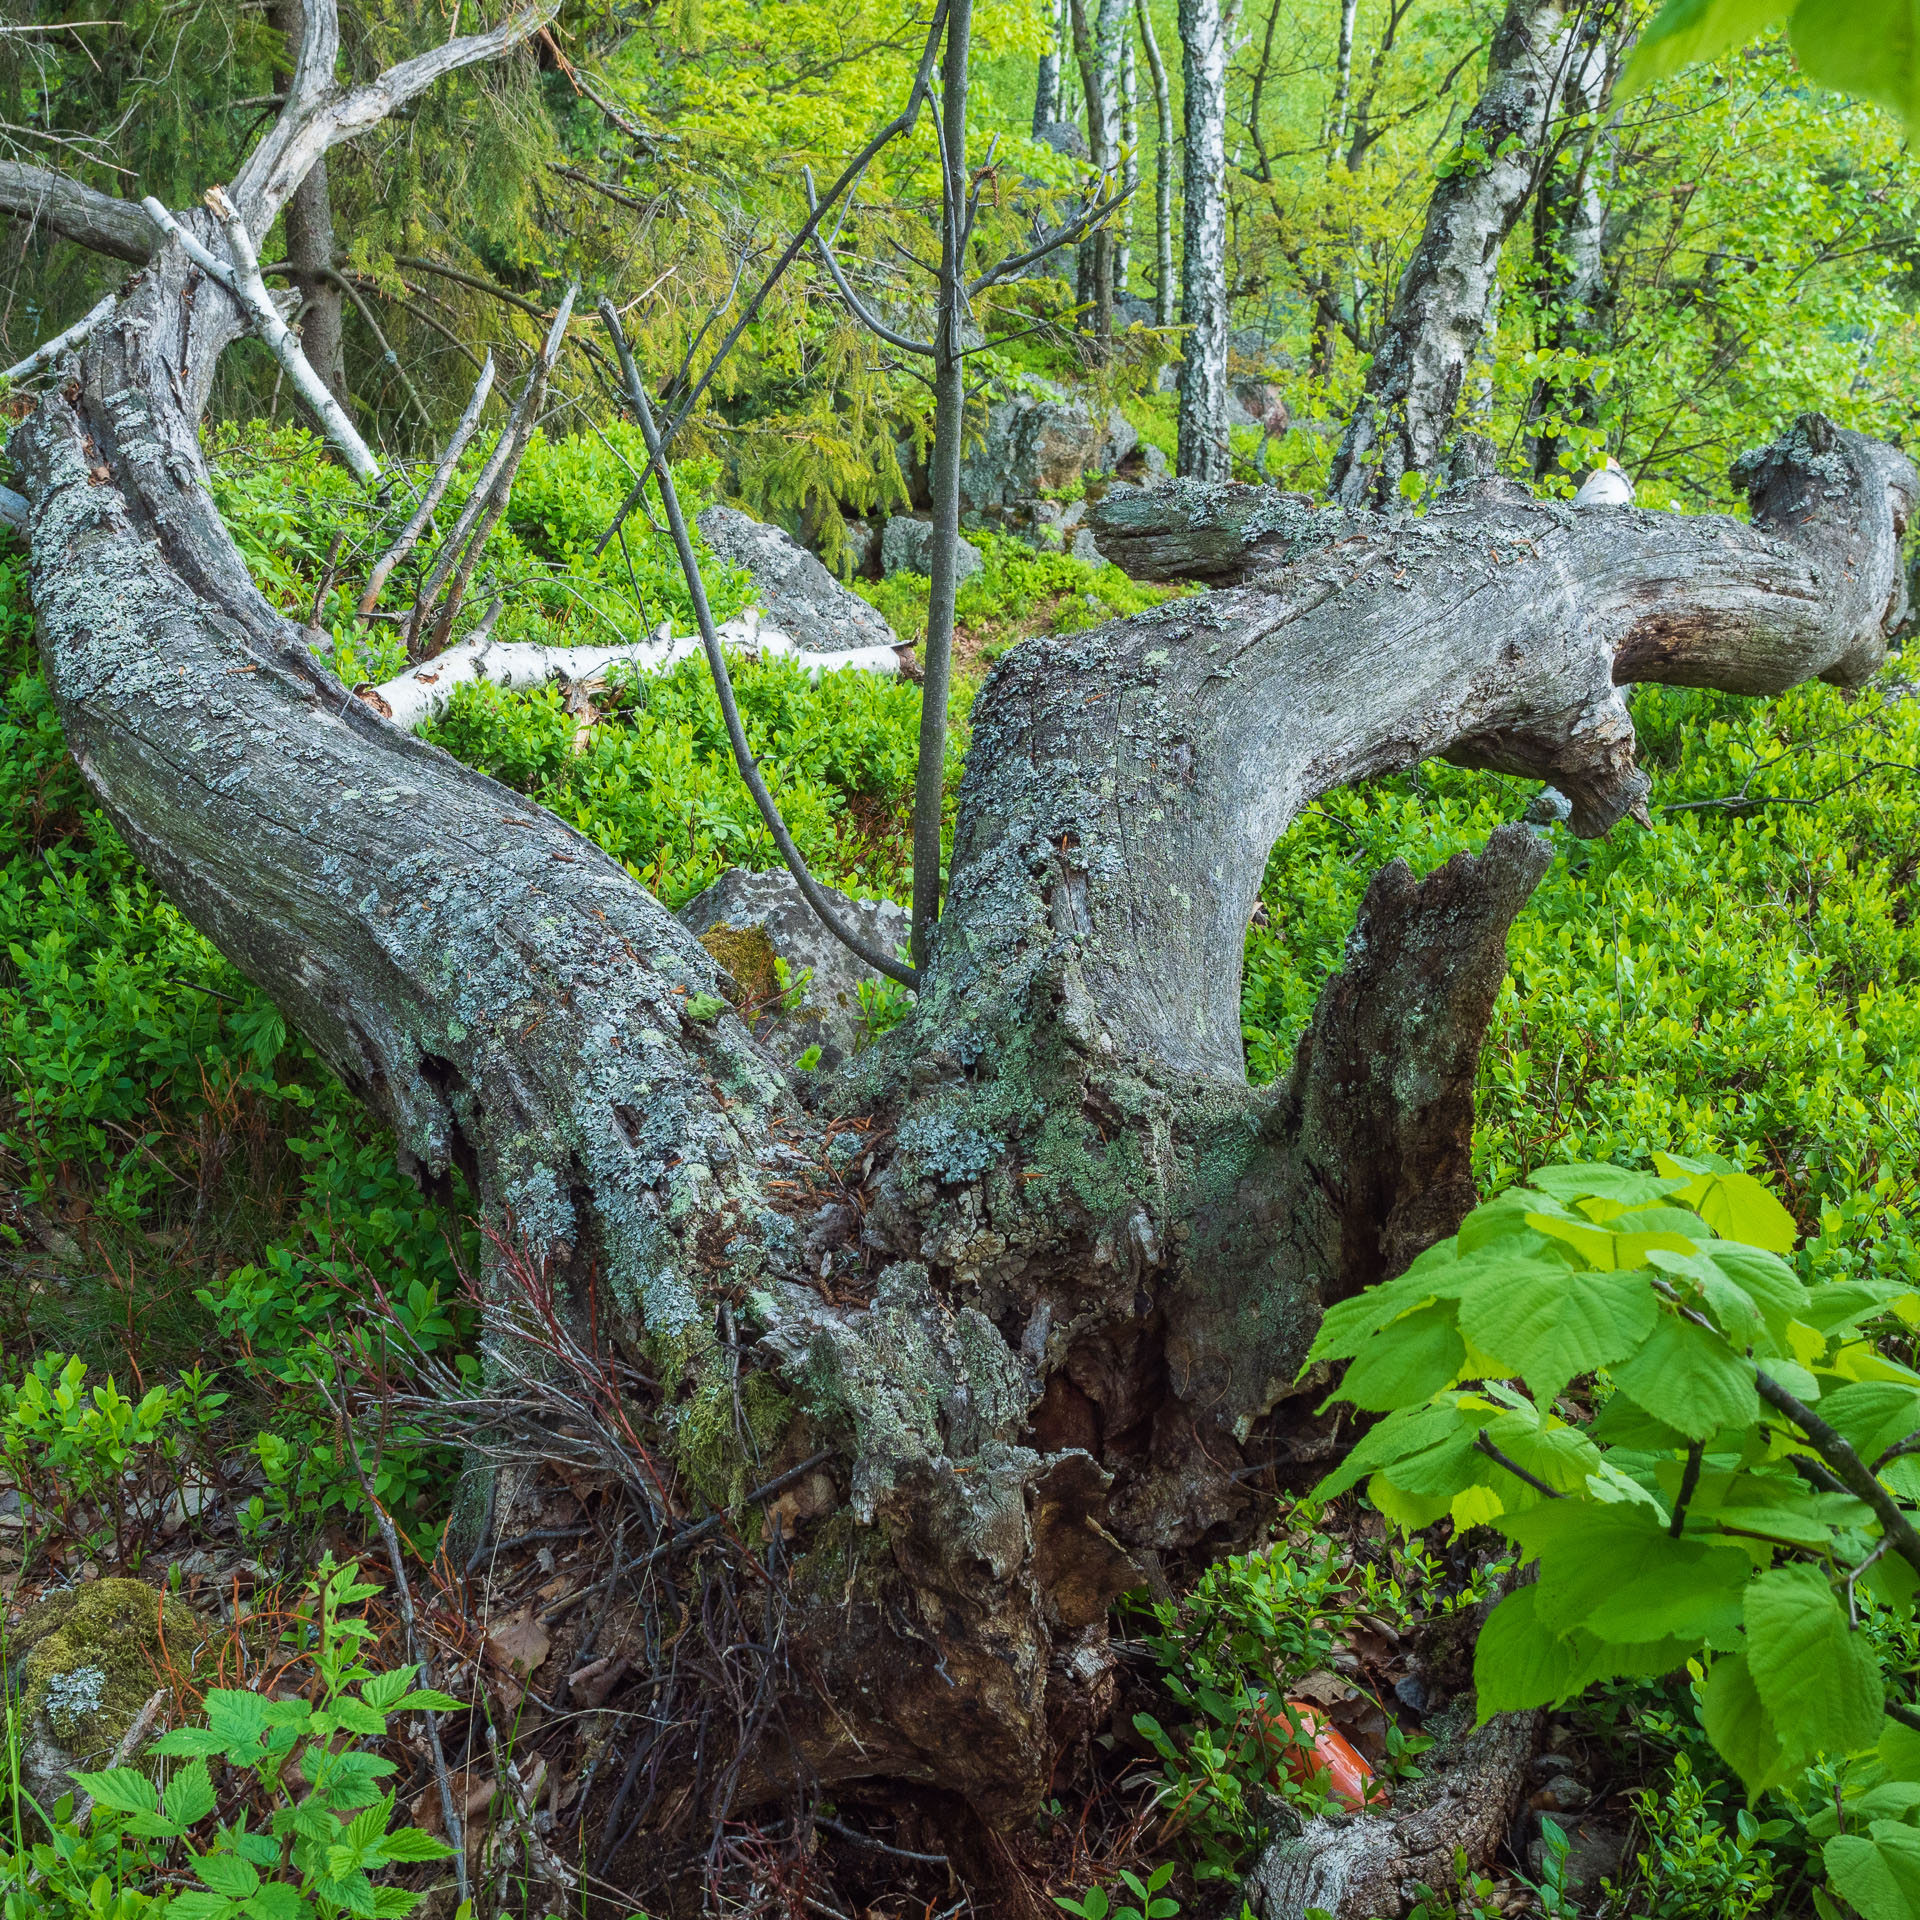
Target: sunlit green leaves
{"points": [[1690, 1379], [1819, 1681]]}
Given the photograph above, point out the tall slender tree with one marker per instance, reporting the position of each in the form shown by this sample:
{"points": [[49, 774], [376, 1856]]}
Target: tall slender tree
{"points": [[1162, 168], [308, 220], [1204, 453]]}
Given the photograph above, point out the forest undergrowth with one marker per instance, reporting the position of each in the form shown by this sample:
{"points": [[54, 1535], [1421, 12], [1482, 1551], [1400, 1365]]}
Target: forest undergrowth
{"points": [[201, 1234]]}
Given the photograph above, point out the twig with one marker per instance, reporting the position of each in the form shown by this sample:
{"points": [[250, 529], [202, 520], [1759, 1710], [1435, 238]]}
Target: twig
{"points": [[878, 1846], [442, 474], [131, 1742], [250, 290], [1689, 1480], [1493, 1453], [902, 123], [51, 350], [523, 1540], [722, 682]]}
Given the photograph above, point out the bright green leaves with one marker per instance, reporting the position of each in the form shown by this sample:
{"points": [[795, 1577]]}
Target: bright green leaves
{"points": [[1868, 47], [1738, 1723], [1818, 1679], [1549, 1325], [1414, 1357], [1689, 1379], [1865, 47], [1733, 1203], [1520, 1662], [1879, 1872]]}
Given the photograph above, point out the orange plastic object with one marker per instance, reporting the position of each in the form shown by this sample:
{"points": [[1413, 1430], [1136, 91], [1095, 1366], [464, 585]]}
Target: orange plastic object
{"points": [[1315, 1748]]}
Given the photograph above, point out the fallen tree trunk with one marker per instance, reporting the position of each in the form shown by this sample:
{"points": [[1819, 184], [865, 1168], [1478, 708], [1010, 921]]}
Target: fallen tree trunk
{"points": [[1041, 1303]]}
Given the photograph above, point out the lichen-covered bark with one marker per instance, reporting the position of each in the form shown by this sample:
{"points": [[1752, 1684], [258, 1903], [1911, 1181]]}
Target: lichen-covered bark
{"points": [[1441, 308]]}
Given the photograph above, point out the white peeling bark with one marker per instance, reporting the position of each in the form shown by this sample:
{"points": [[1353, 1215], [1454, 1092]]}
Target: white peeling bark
{"points": [[422, 693], [1203, 449], [1162, 170], [1441, 309]]}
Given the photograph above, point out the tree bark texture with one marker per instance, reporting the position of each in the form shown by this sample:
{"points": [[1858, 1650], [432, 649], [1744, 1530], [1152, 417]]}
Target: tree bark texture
{"points": [[1046, 85], [1203, 451], [1441, 309], [1066, 1266]]}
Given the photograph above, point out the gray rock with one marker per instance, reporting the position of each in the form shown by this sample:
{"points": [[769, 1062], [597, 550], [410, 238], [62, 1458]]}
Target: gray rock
{"points": [[1063, 137], [863, 549], [1595, 1853], [907, 547], [796, 593], [1084, 549], [1034, 447], [744, 919]]}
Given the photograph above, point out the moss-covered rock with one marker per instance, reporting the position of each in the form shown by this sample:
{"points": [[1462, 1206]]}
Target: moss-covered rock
{"points": [[85, 1663]]}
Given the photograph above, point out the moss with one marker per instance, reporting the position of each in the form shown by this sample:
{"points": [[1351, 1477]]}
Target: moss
{"points": [[746, 956], [93, 1659], [721, 1464]]}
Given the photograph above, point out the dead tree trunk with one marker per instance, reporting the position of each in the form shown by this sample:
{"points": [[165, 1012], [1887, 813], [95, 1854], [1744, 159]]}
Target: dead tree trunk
{"points": [[1440, 311], [1074, 1259], [309, 225]]}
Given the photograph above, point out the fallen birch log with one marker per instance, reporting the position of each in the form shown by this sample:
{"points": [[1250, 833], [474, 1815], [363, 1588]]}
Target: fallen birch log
{"points": [[421, 693]]}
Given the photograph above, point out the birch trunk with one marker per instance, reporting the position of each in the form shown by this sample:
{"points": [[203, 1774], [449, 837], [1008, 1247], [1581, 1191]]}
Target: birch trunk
{"points": [[1162, 170], [1441, 309], [1203, 449]]}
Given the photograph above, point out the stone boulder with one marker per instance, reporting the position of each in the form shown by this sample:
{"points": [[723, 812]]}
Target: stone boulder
{"points": [[87, 1661], [746, 919], [796, 593], [1034, 447], [907, 547]]}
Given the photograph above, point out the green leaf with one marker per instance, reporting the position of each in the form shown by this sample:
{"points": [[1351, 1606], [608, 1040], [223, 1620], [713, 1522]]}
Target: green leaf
{"points": [[195, 1904], [1600, 1180], [1872, 1415], [1734, 1204], [1878, 1872], [1691, 1379], [184, 1740], [276, 1900], [1737, 1722], [120, 1790], [1519, 1662], [1548, 1326], [1407, 1361], [1866, 47], [428, 1700], [1616, 1572], [225, 1872], [1400, 1435], [394, 1903], [357, 1717], [409, 1843], [1820, 1682], [385, 1691], [190, 1794]]}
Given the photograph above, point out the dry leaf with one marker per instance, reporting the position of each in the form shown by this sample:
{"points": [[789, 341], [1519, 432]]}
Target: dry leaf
{"points": [[518, 1644]]}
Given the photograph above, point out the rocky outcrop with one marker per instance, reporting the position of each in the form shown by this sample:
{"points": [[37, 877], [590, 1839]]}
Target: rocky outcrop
{"points": [[906, 546], [1034, 447], [748, 920], [796, 593]]}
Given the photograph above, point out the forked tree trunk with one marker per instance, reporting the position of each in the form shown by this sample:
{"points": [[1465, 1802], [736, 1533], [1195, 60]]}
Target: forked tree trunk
{"points": [[309, 227], [1075, 1259]]}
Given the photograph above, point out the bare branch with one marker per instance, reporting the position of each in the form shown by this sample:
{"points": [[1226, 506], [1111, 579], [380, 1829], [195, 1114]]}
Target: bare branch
{"points": [[436, 487], [488, 500], [44, 198], [281, 341], [319, 114], [861, 312], [722, 681], [422, 693], [44, 355], [1082, 224]]}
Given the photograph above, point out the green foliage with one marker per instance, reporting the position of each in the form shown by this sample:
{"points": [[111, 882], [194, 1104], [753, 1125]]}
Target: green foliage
{"points": [[308, 1835], [1149, 1902], [95, 1466], [1695, 1866], [1689, 1517]]}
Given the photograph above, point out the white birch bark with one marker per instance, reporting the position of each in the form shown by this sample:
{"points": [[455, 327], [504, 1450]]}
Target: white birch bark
{"points": [[1203, 449]]}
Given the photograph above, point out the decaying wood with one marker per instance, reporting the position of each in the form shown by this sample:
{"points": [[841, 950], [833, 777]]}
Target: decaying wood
{"points": [[1040, 1306]]}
